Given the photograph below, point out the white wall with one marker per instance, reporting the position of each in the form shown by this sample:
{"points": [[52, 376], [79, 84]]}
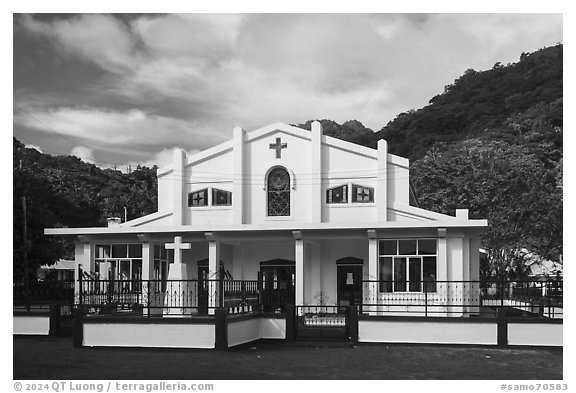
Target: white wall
{"points": [[398, 184], [150, 335], [535, 334], [332, 250], [260, 158], [37, 325], [427, 332], [256, 252], [241, 332], [272, 328], [340, 164], [165, 190]]}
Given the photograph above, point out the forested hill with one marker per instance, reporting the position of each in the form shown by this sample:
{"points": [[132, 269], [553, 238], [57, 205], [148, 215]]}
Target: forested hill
{"points": [[478, 101], [493, 143], [64, 191]]}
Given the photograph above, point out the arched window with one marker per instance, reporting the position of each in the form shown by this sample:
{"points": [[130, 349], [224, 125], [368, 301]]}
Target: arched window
{"points": [[278, 190]]}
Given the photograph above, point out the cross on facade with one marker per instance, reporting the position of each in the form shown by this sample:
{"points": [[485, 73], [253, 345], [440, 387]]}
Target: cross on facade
{"points": [[278, 146], [198, 198], [363, 194], [178, 247]]}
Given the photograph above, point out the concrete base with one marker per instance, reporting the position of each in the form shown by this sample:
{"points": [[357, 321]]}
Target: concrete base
{"points": [[179, 296], [33, 325]]}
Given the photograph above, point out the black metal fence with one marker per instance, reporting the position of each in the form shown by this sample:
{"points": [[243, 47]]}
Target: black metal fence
{"points": [[322, 321], [462, 298], [378, 297], [174, 297], [36, 293]]}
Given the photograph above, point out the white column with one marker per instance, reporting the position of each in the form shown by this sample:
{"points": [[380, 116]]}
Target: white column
{"points": [[381, 197], [238, 263], [313, 257], [213, 268], [177, 179], [147, 261], [178, 292], [456, 255], [474, 273], [148, 288], [84, 257], [238, 176], [372, 288], [442, 266], [316, 171], [299, 262]]}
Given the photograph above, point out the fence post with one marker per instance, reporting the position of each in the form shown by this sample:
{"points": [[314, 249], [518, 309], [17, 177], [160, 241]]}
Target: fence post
{"points": [[80, 286], [221, 328], [290, 322], [425, 298], [221, 287], [353, 323], [502, 292], [54, 320], [502, 328], [78, 316], [148, 301], [261, 299]]}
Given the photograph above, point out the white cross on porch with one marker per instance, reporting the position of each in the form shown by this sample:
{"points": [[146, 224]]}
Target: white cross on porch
{"points": [[175, 303], [178, 247]]}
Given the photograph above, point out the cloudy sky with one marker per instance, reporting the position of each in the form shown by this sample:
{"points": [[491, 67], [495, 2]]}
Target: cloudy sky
{"points": [[118, 89]]}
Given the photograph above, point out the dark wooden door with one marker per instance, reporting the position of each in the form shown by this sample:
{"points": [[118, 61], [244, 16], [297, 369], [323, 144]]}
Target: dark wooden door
{"points": [[277, 287], [349, 285], [202, 289]]}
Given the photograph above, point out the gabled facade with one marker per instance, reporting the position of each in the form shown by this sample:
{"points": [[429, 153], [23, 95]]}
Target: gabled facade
{"points": [[329, 217]]}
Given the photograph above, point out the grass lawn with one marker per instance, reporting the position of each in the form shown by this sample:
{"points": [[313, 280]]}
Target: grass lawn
{"points": [[55, 358]]}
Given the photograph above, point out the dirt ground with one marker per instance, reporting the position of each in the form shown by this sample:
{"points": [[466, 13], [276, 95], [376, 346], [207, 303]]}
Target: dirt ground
{"points": [[55, 358]]}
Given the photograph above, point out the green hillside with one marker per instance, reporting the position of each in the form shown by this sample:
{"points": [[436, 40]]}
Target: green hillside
{"points": [[479, 101], [63, 191]]}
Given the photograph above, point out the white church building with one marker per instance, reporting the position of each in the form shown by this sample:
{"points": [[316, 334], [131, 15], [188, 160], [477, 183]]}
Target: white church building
{"points": [[327, 221]]}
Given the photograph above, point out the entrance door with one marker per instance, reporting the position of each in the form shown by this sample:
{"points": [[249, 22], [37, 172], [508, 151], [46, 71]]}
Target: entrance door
{"points": [[277, 282], [349, 285], [202, 289]]}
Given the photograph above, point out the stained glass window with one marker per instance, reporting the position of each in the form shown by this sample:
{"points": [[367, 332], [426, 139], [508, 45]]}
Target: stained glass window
{"points": [[278, 186], [361, 194], [198, 198], [221, 197], [337, 195]]}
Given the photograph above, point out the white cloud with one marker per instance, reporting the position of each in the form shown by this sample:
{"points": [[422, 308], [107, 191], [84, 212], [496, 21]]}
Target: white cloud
{"points": [[107, 128], [86, 154], [161, 158], [188, 79], [100, 39], [35, 147], [205, 36]]}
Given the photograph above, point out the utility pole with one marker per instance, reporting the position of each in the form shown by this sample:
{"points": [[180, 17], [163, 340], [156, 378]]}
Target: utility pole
{"points": [[24, 240]]}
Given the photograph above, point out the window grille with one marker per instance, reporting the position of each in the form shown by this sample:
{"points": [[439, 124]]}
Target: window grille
{"points": [[278, 189]]}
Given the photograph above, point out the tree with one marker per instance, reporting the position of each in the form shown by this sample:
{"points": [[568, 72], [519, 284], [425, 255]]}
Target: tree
{"points": [[508, 185]]}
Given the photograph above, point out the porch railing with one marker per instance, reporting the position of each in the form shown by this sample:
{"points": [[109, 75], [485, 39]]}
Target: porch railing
{"points": [[441, 298], [168, 297], [374, 297]]}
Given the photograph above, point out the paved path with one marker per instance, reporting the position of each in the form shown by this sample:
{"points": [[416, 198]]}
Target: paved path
{"points": [[55, 358]]}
